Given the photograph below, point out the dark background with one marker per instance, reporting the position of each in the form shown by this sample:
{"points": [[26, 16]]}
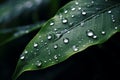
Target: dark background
{"points": [[99, 62]]}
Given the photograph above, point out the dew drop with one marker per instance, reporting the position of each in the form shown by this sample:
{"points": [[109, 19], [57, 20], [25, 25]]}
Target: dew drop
{"points": [[66, 40], [90, 33], [55, 46], [84, 13], [22, 57], [38, 63], [73, 16], [82, 23], [116, 28], [35, 45], [94, 37], [75, 48], [49, 37], [64, 21], [73, 9], [79, 8], [26, 52], [109, 12], [55, 57], [103, 32], [65, 11], [52, 23], [76, 3]]}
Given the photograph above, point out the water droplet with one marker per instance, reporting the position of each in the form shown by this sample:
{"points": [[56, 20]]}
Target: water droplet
{"points": [[75, 48], [35, 44], [116, 28], [94, 36], [38, 63], [65, 11], [66, 40], [55, 46], [55, 57], [79, 8], [73, 9], [50, 59], [73, 16], [103, 32], [64, 21], [49, 37], [82, 23], [113, 20], [84, 13], [92, 2], [76, 3], [90, 33], [26, 52], [109, 12], [52, 23], [22, 57]]}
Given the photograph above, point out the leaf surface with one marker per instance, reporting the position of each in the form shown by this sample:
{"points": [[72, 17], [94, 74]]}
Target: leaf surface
{"points": [[77, 26]]}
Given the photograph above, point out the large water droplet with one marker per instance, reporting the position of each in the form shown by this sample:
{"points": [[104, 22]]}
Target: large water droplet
{"points": [[75, 48], [66, 40]]}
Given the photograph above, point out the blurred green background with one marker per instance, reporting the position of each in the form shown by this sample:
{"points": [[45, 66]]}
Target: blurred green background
{"points": [[99, 62]]}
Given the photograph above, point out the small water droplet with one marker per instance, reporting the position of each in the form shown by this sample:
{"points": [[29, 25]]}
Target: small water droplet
{"points": [[35, 45], [92, 2], [84, 13], [103, 32], [82, 23], [26, 52], [55, 57], [94, 37], [73, 16], [22, 57], [76, 3], [65, 11], [116, 28], [90, 33], [64, 21], [38, 63], [109, 12], [66, 40], [73, 9], [79, 8], [55, 46], [52, 23], [49, 37], [75, 48]]}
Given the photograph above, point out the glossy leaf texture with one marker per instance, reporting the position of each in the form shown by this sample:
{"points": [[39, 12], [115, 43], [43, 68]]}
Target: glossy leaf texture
{"points": [[15, 12], [77, 26], [9, 34]]}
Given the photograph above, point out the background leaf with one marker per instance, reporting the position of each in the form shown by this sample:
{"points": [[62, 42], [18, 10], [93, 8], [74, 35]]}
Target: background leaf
{"points": [[75, 27], [7, 35]]}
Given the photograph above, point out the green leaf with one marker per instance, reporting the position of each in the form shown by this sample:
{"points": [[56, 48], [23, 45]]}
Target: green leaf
{"points": [[77, 26], [9, 34]]}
